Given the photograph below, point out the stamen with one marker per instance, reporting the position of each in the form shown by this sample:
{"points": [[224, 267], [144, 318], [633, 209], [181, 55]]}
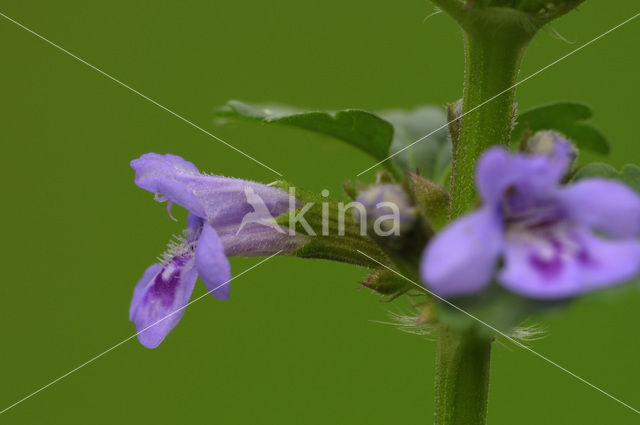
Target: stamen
{"points": [[159, 198], [532, 217], [169, 205]]}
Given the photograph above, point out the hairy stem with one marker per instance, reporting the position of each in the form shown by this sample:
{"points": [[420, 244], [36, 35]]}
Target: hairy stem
{"points": [[493, 57], [462, 378], [496, 34], [495, 41]]}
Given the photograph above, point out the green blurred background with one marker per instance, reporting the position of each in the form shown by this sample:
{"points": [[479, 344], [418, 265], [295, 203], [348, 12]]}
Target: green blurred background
{"points": [[296, 343]]}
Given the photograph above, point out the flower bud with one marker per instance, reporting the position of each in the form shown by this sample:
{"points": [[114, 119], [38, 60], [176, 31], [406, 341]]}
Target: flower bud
{"points": [[388, 208], [552, 144], [386, 282], [432, 200], [427, 314]]}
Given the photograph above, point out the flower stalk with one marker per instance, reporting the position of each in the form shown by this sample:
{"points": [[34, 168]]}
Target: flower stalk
{"points": [[491, 68], [462, 378], [495, 40]]}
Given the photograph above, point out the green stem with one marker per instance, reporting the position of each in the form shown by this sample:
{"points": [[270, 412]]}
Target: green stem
{"points": [[462, 378], [494, 46], [495, 40]]}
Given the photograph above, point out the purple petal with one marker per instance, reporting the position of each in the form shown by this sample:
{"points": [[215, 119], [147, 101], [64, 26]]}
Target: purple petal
{"points": [[170, 163], [194, 226], [533, 176], [606, 205], [212, 264], [610, 261], [220, 200], [461, 258], [536, 267], [566, 263], [165, 175], [141, 286], [493, 174], [159, 299]]}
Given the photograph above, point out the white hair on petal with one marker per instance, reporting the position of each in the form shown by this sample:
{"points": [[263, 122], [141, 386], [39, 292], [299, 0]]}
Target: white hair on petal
{"points": [[177, 246]]}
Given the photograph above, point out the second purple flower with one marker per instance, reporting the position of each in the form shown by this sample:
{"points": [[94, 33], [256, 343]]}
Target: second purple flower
{"points": [[555, 241]]}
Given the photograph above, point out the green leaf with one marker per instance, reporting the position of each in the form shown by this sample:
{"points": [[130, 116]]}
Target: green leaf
{"points": [[359, 128], [567, 118], [629, 174], [379, 135], [429, 157], [596, 169]]}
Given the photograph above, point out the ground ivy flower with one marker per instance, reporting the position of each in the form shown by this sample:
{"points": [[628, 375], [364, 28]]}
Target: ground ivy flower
{"points": [[555, 241], [227, 217]]}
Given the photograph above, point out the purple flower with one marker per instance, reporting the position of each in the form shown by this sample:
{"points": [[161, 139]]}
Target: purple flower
{"points": [[227, 217], [555, 241]]}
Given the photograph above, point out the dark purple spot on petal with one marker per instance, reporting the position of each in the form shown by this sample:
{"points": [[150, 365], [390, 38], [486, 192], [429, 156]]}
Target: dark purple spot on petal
{"points": [[584, 257], [549, 268], [164, 287], [552, 266]]}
